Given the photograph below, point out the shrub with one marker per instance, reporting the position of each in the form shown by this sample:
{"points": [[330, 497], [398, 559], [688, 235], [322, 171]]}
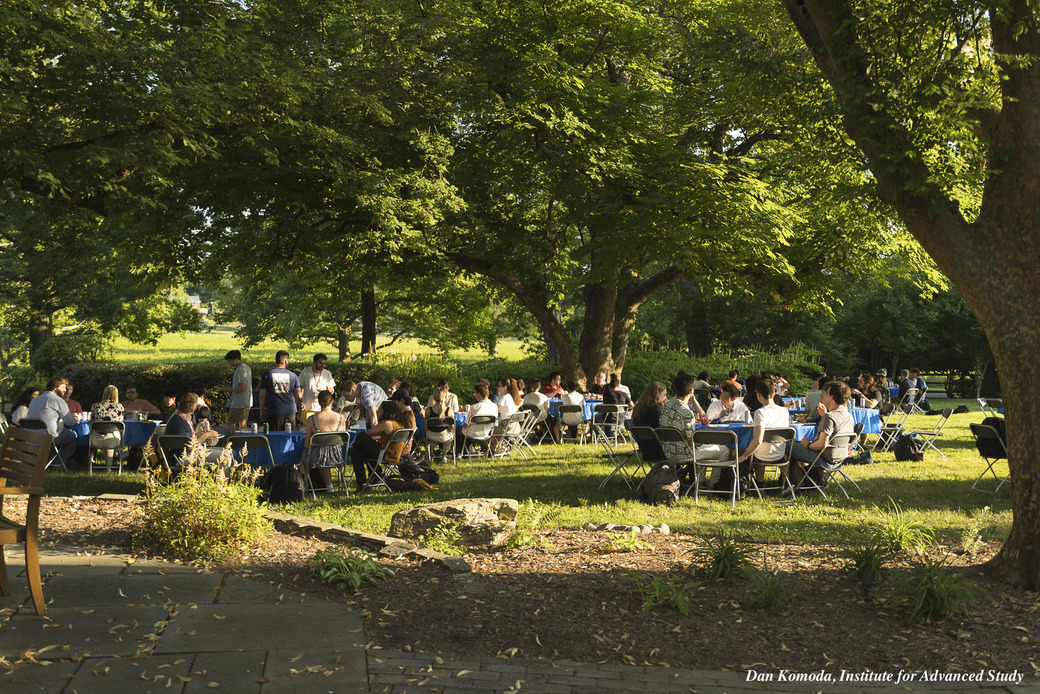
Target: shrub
{"points": [[70, 348], [723, 559], [347, 569], [208, 513], [766, 590], [531, 517], [623, 543], [971, 534], [866, 562], [444, 539], [903, 534], [662, 590], [934, 592]]}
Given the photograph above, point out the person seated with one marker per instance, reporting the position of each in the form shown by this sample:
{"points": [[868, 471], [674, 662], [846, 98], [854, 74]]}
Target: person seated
{"points": [[647, 413], [922, 387], [537, 398], [573, 396], [682, 412], [50, 408], [21, 405], [768, 416], [74, 407], [734, 378], [406, 415], [728, 408], [366, 448], [441, 408], [483, 407], [553, 389], [598, 387], [613, 395], [819, 378], [882, 380], [167, 406], [413, 404], [134, 404], [108, 409], [867, 393], [182, 424], [324, 458], [905, 384], [835, 420], [509, 400]]}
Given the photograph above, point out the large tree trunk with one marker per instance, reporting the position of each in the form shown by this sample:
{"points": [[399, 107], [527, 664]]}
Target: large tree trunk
{"points": [[368, 321], [343, 342], [993, 261]]}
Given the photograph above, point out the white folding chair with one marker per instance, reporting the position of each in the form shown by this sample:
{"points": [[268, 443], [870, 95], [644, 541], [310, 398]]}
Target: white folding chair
{"points": [[328, 438], [510, 436], [477, 440], [618, 458], [109, 444], [721, 437], [442, 439], [572, 416], [989, 406], [831, 469], [992, 448]]}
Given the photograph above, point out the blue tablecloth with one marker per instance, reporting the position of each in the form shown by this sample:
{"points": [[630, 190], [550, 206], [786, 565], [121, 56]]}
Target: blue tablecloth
{"points": [[554, 408], [135, 433], [420, 424], [286, 448]]}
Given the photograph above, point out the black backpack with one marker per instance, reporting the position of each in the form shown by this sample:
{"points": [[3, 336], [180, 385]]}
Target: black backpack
{"points": [[414, 468], [908, 449], [283, 484], [661, 485]]}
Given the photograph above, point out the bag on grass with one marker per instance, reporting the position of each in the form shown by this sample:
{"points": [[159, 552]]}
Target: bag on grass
{"points": [[961, 409], [862, 457], [283, 484], [989, 447], [417, 469], [400, 484], [908, 449], [661, 485]]}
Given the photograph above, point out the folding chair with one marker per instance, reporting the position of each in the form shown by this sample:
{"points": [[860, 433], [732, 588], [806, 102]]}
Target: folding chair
{"points": [[989, 406], [609, 415], [721, 437], [443, 438], [703, 397], [116, 446], [377, 476], [619, 459], [327, 438], [23, 460], [893, 421], [927, 437], [778, 435], [243, 443], [171, 448], [992, 448], [38, 425], [572, 416], [509, 437], [831, 470], [480, 429], [225, 434], [3, 424], [540, 416]]}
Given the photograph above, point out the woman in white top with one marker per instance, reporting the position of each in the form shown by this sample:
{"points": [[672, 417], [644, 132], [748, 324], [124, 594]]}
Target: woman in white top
{"points": [[509, 399], [21, 405], [445, 401], [768, 416], [441, 407]]}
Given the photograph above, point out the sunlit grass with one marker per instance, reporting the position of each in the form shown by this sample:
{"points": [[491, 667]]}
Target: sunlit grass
{"points": [[182, 348], [934, 493]]}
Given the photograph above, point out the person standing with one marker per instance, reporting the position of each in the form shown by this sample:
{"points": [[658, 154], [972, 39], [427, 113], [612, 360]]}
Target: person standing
{"points": [[50, 408], [313, 380], [279, 393], [241, 390]]}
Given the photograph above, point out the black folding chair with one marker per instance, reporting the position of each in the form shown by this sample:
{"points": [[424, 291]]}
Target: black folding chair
{"points": [[991, 447]]}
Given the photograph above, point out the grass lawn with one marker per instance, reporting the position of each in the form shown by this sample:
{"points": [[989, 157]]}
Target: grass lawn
{"points": [[558, 488], [182, 348]]}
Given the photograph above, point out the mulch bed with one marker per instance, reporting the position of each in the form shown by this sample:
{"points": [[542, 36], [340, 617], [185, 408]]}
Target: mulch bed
{"points": [[567, 598]]}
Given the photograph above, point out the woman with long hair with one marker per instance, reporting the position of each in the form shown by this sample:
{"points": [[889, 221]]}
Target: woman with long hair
{"points": [[647, 413], [324, 458], [21, 405]]}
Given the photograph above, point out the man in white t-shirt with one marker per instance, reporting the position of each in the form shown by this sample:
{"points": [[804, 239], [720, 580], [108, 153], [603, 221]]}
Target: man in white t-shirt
{"points": [[536, 397], [241, 390], [728, 408], [768, 416], [313, 380]]}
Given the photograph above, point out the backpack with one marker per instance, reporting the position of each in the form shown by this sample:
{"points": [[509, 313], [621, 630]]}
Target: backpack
{"points": [[961, 409], [908, 449], [862, 457], [283, 484], [661, 485], [412, 468]]}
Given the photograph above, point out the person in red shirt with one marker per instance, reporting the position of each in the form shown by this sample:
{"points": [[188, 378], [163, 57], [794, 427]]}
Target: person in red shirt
{"points": [[554, 389]]}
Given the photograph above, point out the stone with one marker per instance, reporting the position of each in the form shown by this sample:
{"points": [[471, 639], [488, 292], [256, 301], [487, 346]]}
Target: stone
{"points": [[664, 529], [477, 521], [589, 526], [646, 529]]}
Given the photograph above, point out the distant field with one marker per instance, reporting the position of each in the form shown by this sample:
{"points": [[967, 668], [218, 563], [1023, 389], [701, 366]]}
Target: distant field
{"points": [[184, 348]]}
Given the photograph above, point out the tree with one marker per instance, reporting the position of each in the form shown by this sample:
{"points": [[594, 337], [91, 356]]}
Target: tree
{"points": [[942, 100], [605, 149]]}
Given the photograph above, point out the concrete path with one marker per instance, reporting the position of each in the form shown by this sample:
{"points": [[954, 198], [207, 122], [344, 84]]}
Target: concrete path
{"points": [[118, 625]]}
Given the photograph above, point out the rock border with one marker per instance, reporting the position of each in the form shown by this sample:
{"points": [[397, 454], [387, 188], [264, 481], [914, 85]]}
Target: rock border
{"points": [[383, 545]]}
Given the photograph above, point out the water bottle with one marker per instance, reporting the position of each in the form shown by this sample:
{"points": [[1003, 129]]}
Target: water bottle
{"points": [[288, 428]]}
